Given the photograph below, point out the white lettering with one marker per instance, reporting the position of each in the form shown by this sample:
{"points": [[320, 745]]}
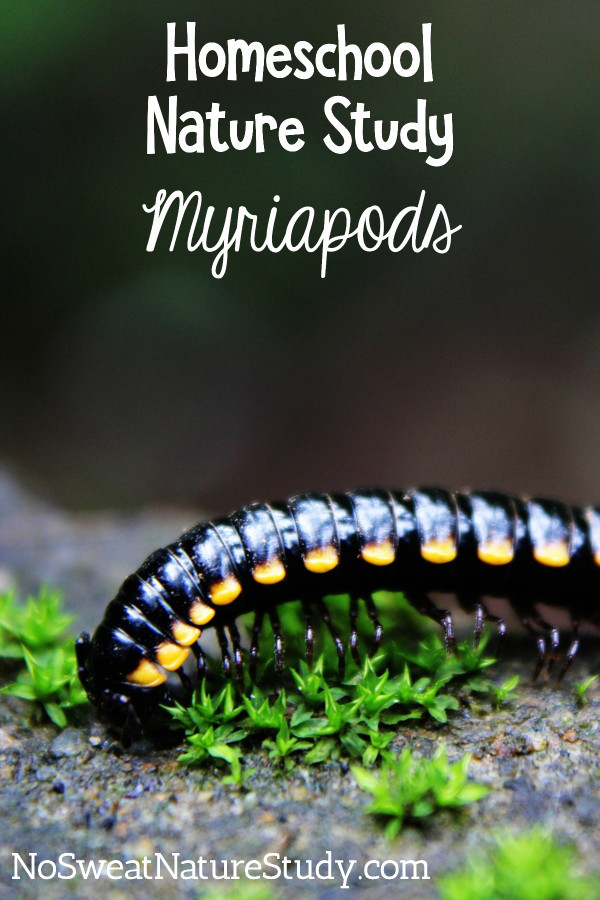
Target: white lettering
{"points": [[64, 864], [345, 873], [371, 230], [18, 860], [189, 49], [240, 56]]}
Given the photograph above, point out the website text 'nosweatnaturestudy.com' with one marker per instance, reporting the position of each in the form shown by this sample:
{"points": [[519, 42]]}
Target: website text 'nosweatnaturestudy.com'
{"points": [[271, 867]]}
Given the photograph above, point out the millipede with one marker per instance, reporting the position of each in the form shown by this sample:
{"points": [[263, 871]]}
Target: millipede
{"points": [[470, 544]]}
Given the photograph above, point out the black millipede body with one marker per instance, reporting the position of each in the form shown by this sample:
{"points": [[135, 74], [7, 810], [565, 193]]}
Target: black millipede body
{"points": [[471, 544]]}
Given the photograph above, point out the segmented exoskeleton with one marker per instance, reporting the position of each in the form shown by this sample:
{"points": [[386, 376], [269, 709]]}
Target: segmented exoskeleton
{"points": [[471, 544]]}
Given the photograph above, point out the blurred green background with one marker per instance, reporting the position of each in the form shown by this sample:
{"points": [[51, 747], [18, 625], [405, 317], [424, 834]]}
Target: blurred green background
{"points": [[131, 378]]}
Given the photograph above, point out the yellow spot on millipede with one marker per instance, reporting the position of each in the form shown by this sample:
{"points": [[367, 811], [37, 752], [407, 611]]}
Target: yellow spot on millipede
{"points": [[597, 557], [224, 592], [185, 634], [322, 560], [555, 554], [147, 675], [270, 572], [379, 554], [200, 613], [439, 550], [496, 553], [171, 656]]}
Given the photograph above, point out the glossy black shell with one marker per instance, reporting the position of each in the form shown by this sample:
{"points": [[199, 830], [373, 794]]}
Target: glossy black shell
{"points": [[470, 544]]}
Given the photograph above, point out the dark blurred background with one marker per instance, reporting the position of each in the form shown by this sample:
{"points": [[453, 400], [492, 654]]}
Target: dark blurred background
{"points": [[129, 378]]}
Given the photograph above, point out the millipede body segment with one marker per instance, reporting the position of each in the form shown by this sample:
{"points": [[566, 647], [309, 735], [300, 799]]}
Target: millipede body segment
{"points": [[471, 544]]}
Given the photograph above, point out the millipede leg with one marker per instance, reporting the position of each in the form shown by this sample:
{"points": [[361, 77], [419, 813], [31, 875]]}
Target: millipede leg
{"points": [[309, 633], [168, 697], [222, 639], [186, 684], [541, 645], [500, 624], [443, 617], [549, 658], [256, 629], [571, 653], [479, 616], [132, 727], [83, 649], [121, 706], [377, 626], [469, 604], [554, 635], [354, 629], [234, 636], [278, 638], [324, 613], [483, 615], [200, 661]]}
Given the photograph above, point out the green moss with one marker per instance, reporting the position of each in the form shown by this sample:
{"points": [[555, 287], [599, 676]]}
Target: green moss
{"points": [[413, 789], [581, 689], [35, 634], [38, 624], [531, 866], [246, 890], [322, 717]]}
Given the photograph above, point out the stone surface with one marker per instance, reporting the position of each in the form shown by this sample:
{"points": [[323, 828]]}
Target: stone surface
{"points": [[79, 792]]}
